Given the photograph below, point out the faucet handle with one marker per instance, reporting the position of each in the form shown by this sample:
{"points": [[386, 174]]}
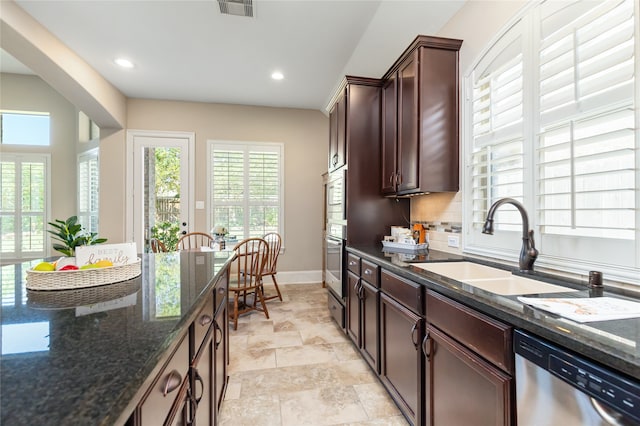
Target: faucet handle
{"points": [[532, 251]]}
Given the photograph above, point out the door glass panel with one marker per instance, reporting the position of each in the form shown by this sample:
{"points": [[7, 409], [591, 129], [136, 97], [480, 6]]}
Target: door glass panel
{"points": [[162, 194]]}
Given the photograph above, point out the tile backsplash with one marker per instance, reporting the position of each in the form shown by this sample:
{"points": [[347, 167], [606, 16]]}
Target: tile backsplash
{"points": [[441, 214]]}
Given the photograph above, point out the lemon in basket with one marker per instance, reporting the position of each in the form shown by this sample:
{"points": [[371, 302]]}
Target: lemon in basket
{"points": [[44, 266], [103, 263]]}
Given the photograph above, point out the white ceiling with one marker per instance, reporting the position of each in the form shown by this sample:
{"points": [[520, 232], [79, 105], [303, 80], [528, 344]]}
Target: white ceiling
{"points": [[187, 50]]}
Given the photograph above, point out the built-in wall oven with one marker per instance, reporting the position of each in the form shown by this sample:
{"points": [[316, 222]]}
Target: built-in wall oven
{"points": [[334, 260], [336, 231]]}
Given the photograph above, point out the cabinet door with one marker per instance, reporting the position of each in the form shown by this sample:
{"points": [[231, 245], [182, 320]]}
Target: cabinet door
{"points": [[400, 356], [203, 384], [341, 138], [389, 135], [408, 146], [465, 389], [220, 346], [369, 324], [333, 137], [338, 133], [353, 307]]}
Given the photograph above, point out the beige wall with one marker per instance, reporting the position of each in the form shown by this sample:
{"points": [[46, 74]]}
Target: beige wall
{"points": [[305, 137], [31, 93]]}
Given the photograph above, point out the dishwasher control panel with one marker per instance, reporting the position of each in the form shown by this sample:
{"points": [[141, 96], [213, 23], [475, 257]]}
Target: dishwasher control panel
{"points": [[603, 384]]}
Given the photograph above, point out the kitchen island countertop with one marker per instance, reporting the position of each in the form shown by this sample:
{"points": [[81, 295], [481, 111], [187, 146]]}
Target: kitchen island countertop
{"points": [[84, 356], [614, 343]]}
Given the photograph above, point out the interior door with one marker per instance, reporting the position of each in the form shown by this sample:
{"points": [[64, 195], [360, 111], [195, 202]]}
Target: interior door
{"points": [[160, 186]]}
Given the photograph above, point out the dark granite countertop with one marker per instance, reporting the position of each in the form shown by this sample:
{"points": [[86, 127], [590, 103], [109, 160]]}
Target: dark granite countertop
{"points": [[83, 357], [615, 344]]}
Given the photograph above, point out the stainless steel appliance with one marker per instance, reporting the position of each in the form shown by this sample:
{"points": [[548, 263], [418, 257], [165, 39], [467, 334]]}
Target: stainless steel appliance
{"points": [[334, 253], [556, 387], [336, 231]]}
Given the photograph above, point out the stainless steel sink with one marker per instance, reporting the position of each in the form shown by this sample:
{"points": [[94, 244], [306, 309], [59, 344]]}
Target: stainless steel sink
{"points": [[491, 279]]}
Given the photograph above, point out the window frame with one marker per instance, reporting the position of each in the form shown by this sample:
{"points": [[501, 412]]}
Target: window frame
{"points": [[246, 147], [505, 245]]}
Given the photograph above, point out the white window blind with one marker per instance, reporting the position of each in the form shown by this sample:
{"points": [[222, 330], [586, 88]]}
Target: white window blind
{"points": [[575, 166], [497, 156], [23, 205], [246, 188], [88, 190]]}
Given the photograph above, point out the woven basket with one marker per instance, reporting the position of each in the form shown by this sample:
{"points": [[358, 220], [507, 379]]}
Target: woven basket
{"points": [[63, 299], [81, 278]]}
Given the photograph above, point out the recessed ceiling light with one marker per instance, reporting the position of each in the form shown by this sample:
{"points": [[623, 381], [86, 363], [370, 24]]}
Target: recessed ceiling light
{"points": [[124, 63], [277, 75]]}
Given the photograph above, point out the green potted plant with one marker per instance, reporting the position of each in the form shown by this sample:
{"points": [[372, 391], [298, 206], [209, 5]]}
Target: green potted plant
{"points": [[71, 235]]}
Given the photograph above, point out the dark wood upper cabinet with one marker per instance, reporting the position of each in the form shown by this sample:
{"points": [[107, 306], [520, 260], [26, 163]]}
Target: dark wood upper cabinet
{"points": [[389, 135], [355, 127], [424, 127], [337, 135]]}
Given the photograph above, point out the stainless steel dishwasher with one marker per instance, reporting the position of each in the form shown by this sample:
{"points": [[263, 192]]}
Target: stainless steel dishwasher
{"points": [[555, 387]]}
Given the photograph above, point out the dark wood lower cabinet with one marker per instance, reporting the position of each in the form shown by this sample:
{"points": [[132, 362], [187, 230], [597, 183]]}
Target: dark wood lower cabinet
{"points": [[221, 350], [191, 386], [468, 366], [400, 356], [362, 318], [465, 389]]}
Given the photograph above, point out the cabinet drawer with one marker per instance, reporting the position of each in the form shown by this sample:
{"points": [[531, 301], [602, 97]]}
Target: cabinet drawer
{"points": [[370, 272], [404, 291], [353, 263], [169, 384], [487, 337], [336, 309], [202, 323]]}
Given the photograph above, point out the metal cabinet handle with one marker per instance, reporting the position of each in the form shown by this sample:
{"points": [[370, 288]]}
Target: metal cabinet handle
{"points": [[205, 320], [218, 329], [361, 293], [199, 379], [352, 263], [414, 338], [368, 272], [427, 352], [172, 382]]}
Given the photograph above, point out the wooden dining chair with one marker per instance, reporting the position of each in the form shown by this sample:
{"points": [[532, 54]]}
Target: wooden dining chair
{"points": [[157, 246], [246, 278], [274, 241], [194, 240]]}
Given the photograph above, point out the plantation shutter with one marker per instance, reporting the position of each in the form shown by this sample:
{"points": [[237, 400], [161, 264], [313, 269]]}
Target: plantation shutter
{"points": [[587, 146], [574, 161], [88, 183], [497, 154], [23, 206], [246, 189]]}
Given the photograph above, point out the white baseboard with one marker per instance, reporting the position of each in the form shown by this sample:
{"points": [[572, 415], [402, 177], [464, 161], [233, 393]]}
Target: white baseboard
{"points": [[298, 277]]}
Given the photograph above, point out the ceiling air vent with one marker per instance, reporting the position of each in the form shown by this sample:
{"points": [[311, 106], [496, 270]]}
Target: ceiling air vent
{"points": [[236, 7]]}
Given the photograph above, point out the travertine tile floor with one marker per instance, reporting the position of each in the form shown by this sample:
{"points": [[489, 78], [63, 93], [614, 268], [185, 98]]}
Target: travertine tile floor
{"points": [[299, 368]]}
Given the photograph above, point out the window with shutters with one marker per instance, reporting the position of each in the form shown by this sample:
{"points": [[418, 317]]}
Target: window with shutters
{"points": [[246, 188], [553, 122], [88, 187], [23, 205]]}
